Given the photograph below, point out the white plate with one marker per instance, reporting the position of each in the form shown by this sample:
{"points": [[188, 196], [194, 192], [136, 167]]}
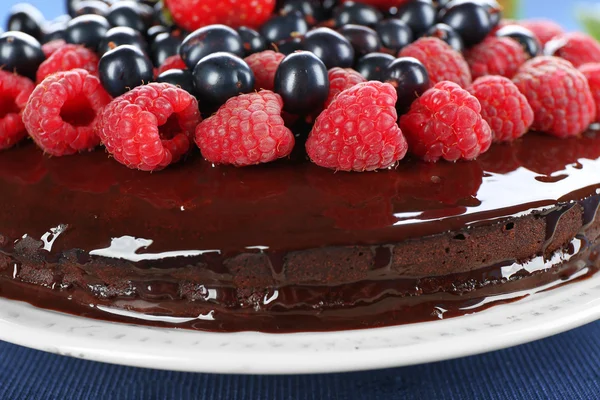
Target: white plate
{"points": [[537, 316]]}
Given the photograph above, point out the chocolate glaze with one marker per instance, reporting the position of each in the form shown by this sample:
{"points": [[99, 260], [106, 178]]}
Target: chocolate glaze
{"points": [[290, 246]]}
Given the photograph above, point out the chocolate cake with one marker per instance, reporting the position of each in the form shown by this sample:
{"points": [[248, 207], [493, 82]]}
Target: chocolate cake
{"points": [[290, 246]]}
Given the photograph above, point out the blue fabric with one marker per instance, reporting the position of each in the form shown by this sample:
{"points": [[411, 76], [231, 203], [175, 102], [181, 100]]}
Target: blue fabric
{"points": [[566, 366]]}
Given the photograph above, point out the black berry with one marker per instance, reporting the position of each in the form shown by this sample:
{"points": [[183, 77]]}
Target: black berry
{"points": [[469, 19], [180, 78], [302, 82], [87, 30], [119, 36], [410, 78], [331, 47], [494, 10], [373, 66], [394, 34], [155, 30], [364, 40], [55, 29], [21, 53], [164, 46], [311, 9], [207, 40], [524, 36], [96, 7], [419, 15], [220, 76], [448, 35], [27, 19], [283, 27], [355, 13], [252, 41], [124, 68], [288, 46], [126, 13]]}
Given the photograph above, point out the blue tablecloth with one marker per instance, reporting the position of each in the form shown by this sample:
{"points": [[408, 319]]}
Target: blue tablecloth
{"points": [[566, 366]]}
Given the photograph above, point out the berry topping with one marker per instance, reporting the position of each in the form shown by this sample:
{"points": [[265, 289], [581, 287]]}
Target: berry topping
{"points": [[264, 66], [20, 53], [576, 47], [351, 12], [373, 66], [341, 79], [364, 40], [68, 57], [592, 74], [173, 62], [124, 68], [88, 30], [504, 108], [544, 30], [220, 76], [394, 34], [358, 131], [410, 79], [301, 81], [448, 35], [496, 56], [193, 14], [246, 130], [442, 62], [445, 122], [62, 111], [524, 37], [419, 15], [150, 126], [559, 95], [209, 40], [331, 47], [14, 93], [469, 18], [252, 41]]}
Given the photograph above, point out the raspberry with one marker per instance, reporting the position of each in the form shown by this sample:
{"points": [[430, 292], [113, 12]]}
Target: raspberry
{"points": [[496, 56], [247, 129], [14, 93], [559, 95], [341, 79], [193, 14], [592, 74], [442, 62], [358, 131], [543, 29], [62, 111], [503, 107], [172, 62], [576, 47], [150, 126], [264, 65], [445, 122], [52, 46], [66, 58]]}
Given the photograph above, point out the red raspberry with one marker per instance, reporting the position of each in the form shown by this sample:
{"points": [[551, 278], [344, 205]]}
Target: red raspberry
{"points": [[63, 110], [193, 14], [150, 126], [52, 46], [264, 66], [445, 122], [442, 62], [358, 131], [246, 130], [576, 47], [66, 58], [543, 29], [341, 79], [496, 56], [503, 107], [172, 62], [14, 93], [559, 95], [592, 74]]}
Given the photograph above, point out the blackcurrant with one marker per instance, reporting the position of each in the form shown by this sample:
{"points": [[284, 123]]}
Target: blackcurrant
{"points": [[164, 46], [96, 7], [394, 33], [55, 29], [121, 35], [311, 9], [155, 30], [419, 15], [469, 19], [252, 41], [26, 18], [220, 76], [123, 68], [21, 53], [410, 78], [373, 66], [494, 9], [302, 82], [331, 47], [288, 46], [126, 13], [524, 36], [180, 78], [87, 30], [282, 27], [355, 13], [207, 40], [364, 39], [448, 35]]}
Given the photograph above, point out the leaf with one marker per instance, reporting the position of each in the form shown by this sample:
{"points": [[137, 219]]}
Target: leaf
{"points": [[589, 17]]}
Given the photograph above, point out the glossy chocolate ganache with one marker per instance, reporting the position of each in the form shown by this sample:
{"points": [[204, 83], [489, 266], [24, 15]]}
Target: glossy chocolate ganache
{"points": [[290, 246]]}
